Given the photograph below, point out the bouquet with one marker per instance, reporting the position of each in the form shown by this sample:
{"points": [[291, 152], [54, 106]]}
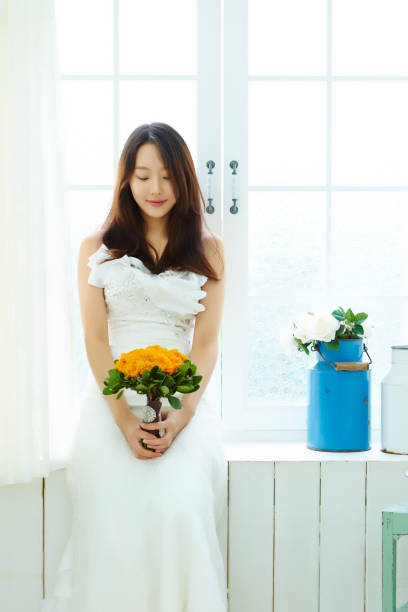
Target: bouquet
{"points": [[325, 327], [156, 372]]}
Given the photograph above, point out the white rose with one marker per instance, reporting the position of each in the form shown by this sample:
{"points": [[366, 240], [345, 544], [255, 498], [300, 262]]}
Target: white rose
{"points": [[323, 327], [288, 341], [367, 325], [302, 330]]}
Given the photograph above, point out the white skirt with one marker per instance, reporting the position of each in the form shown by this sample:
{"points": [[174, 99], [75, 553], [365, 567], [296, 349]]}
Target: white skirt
{"points": [[145, 533]]}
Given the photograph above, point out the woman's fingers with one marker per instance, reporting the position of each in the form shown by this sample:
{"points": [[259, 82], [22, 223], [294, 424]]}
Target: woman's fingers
{"points": [[147, 453], [151, 441], [164, 440], [149, 436], [154, 425], [160, 444], [159, 449], [156, 444]]}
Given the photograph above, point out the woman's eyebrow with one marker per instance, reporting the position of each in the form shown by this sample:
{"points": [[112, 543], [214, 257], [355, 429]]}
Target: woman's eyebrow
{"points": [[145, 168]]}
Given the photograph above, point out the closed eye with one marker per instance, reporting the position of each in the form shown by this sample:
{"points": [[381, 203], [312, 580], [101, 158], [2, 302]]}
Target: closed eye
{"points": [[145, 179]]}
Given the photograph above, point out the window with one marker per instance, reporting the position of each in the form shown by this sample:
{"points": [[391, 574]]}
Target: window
{"points": [[318, 105], [312, 109]]}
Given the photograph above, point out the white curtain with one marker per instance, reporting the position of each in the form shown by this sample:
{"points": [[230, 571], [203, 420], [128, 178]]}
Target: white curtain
{"points": [[36, 280]]}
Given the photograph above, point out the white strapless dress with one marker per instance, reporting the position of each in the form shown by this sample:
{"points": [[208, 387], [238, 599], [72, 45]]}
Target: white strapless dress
{"points": [[145, 533]]}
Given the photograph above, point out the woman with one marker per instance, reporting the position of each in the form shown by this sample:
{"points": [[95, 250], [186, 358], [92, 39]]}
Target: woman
{"points": [[146, 521]]}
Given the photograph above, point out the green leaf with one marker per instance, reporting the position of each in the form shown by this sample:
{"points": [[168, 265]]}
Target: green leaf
{"points": [[119, 395], [360, 317], [185, 388], [141, 387], [114, 372], [311, 313], [174, 402], [196, 379], [165, 390], [302, 347], [333, 345], [349, 315], [337, 314], [358, 329], [146, 376], [184, 367]]}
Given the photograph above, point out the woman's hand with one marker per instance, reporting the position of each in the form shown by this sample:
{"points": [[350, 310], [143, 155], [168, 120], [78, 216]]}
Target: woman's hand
{"points": [[173, 421], [130, 427]]}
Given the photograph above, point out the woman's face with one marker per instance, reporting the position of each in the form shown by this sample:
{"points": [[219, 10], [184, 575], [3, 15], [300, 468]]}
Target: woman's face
{"points": [[150, 182]]}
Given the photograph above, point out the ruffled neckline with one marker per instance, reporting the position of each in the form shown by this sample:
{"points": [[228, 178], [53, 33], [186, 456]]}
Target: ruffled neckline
{"points": [[136, 262], [178, 291]]}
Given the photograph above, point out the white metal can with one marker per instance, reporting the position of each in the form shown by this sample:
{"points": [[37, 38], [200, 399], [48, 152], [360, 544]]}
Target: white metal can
{"points": [[394, 403]]}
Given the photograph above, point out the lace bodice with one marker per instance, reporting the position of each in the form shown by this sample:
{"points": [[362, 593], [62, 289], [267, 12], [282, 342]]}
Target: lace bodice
{"points": [[145, 308]]}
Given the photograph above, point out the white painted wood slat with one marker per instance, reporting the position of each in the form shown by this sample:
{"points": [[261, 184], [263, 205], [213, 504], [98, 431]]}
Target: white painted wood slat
{"points": [[251, 499], [342, 536], [297, 490]]}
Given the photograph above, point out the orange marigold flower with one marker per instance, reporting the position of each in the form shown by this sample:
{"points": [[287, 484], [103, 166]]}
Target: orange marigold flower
{"points": [[132, 364]]}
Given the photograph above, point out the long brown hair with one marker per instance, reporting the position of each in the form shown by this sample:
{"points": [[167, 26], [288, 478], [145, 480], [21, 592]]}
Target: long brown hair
{"points": [[123, 231]]}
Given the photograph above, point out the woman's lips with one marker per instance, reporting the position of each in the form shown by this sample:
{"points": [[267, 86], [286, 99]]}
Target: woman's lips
{"points": [[156, 202]]}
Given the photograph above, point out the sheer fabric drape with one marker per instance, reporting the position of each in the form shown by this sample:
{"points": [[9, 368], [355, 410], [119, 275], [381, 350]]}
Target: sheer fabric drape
{"points": [[36, 305]]}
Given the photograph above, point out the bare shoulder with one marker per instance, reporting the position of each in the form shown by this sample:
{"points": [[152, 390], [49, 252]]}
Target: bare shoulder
{"points": [[214, 250], [91, 243], [213, 244]]}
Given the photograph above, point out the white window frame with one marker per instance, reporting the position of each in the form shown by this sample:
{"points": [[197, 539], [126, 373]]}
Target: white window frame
{"points": [[222, 124], [267, 420]]}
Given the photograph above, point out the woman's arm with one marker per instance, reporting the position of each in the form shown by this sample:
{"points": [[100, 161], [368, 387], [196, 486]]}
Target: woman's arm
{"points": [[205, 358], [95, 326], [100, 360], [204, 351]]}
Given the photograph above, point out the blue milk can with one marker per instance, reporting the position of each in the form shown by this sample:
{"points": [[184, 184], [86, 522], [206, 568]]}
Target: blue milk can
{"points": [[339, 405]]}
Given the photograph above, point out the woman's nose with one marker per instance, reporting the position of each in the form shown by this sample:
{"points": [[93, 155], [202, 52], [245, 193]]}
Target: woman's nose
{"points": [[156, 185]]}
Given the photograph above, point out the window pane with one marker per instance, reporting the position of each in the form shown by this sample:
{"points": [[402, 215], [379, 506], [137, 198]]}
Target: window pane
{"points": [[286, 133], [273, 376], [87, 119], [286, 242], [158, 37], [370, 132], [370, 248], [370, 38], [142, 102], [276, 378], [287, 37], [85, 36]]}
